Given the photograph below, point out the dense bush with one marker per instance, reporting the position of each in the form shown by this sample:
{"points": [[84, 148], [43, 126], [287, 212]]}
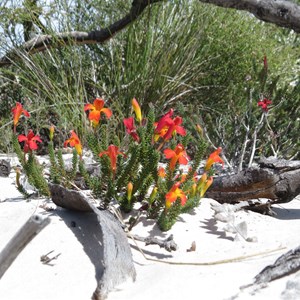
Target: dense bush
{"points": [[177, 52]]}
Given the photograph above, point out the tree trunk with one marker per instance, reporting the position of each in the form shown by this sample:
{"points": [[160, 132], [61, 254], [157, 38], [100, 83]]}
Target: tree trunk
{"points": [[275, 179]]}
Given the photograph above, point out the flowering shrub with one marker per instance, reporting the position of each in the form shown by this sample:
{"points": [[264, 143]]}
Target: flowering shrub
{"points": [[130, 169]]}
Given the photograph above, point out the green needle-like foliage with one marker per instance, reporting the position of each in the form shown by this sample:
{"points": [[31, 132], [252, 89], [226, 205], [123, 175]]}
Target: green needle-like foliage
{"points": [[93, 145], [18, 150], [200, 150], [61, 164], [35, 175], [131, 167], [169, 216], [55, 174], [73, 172]]}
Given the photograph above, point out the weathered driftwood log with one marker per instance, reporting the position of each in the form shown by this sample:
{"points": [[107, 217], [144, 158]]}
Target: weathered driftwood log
{"points": [[275, 179], [117, 258], [20, 240], [285, 265], [5, 168]]}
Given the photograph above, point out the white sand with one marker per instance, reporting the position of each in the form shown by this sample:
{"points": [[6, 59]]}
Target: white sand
{"points": [[72, 275]]}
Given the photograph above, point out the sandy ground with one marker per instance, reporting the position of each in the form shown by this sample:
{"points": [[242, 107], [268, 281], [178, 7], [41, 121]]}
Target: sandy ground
{"points": [[72, 275]]}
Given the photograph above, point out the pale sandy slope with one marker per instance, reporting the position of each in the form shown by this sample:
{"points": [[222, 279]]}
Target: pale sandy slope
{"points": [[72, 275]]}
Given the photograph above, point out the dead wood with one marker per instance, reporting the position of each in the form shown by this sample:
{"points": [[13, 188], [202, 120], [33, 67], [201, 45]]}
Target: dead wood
{"points": [[168, 243], [275, 179], [117, 257], [287, 264], [20, 240], [5, 168]]}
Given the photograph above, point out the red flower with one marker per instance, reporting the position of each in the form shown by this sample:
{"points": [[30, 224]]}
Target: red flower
{"points": [[264, 104], [17, 112], [167, 126], [175, 128], [214, 158], [95, 111], [112, 152], [130, 128], [175, 193], [164, 121], [178, 154], [29, 141], [74, 141]]}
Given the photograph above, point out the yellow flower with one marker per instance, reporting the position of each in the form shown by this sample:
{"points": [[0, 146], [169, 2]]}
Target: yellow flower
{"points": [[137, 110]]}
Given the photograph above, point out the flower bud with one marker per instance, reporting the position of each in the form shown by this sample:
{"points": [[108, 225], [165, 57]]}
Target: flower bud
{"points": [[51, 133], [129, 191]]}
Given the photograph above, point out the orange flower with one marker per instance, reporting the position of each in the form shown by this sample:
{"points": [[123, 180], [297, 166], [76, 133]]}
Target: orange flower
{"points": [[178, 154], [29, 141], [161, 172], [175, 193], [74, 141], [214, 158], [137, 110], [17, 111], [112, 152], [95, 111], [183, 178]]}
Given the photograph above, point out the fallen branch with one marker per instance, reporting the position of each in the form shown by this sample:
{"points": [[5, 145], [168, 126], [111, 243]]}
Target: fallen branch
{"points": [[20, 240], [285, 265], [5, 168], [117, 258], [209, 263], [275, 179], [168, 243]]}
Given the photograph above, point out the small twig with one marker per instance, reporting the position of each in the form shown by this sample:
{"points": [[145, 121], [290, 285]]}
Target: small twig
{"points": [[257, 129], [45, 259], [21, 239], [211, 263], [167, 243]]}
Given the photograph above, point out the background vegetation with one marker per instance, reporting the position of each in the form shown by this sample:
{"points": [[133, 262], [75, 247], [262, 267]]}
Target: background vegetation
{"points": [[181, 52]]}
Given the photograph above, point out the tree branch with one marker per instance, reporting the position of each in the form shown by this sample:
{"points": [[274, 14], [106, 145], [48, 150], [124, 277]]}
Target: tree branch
{"points": [[42, 42], [282, 13]]}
